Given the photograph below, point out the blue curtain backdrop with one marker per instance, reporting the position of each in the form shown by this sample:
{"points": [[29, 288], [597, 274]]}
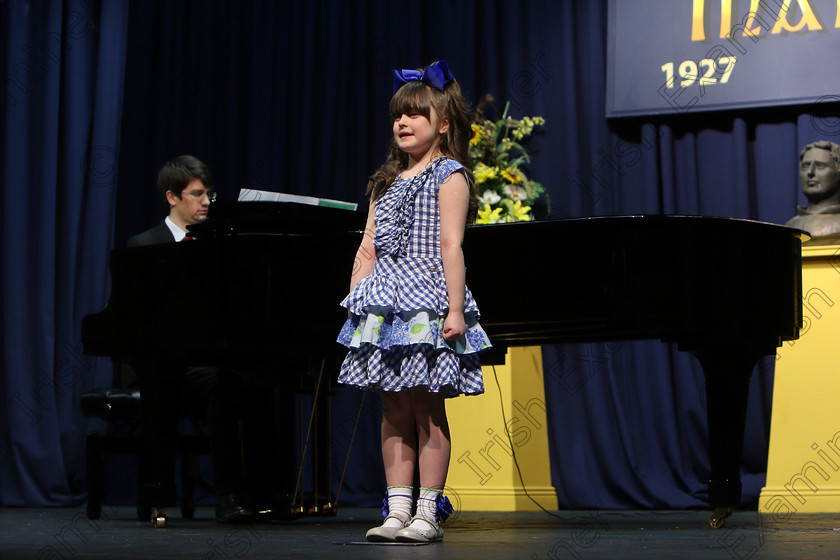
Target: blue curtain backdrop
{"points": [[62, 68], [292, 96]]}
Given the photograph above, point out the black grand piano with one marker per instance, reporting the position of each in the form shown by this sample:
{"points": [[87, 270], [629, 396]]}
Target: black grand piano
{"points": [[726, 290]]}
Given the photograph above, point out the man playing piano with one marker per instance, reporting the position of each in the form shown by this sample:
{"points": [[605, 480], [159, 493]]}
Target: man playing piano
{"points": [[186, 185]]}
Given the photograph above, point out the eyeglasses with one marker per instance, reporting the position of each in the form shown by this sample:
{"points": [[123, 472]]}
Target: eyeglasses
{"points": [[199, 195]]}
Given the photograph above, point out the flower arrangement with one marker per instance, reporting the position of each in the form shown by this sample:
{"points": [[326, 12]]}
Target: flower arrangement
{"points": [[506, 194]]}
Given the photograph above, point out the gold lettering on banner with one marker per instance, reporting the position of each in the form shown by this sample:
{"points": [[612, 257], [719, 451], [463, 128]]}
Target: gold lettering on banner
{"points": [[808, 18], [725, 17], [750, 27], [698, 32], [776, 13]]}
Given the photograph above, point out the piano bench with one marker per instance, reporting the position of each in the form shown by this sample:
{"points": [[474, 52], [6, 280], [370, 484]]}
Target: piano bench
{"points": [[121, 408], [113, 404]]}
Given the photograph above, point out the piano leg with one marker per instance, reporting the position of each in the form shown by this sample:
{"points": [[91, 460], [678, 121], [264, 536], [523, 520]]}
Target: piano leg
{"points": [[323, 471], [727, 371], [159, 385], [317, 446]]}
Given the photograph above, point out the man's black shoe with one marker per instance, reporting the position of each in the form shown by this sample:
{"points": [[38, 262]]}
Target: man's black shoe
{"points": [[231, 508]]}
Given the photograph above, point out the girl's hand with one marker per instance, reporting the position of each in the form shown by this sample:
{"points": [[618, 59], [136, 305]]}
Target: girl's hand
{"points": [[454, 326]]}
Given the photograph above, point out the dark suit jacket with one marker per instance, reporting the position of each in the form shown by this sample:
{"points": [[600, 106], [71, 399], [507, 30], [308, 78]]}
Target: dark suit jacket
{"points": [[154, 236], [158, 234]]}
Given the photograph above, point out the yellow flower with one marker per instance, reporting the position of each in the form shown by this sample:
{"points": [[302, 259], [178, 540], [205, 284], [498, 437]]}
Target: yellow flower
{"points": [[484, 173], [512, 175], [520, 213], [488, 216], [497, 153], [478, 133]]}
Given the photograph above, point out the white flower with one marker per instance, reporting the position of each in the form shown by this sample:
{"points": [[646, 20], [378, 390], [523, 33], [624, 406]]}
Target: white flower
{"points": [[515, 193], [489, 197]]}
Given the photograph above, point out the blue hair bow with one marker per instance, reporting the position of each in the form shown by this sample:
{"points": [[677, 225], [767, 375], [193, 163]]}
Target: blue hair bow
{"points": [[436, 75]]}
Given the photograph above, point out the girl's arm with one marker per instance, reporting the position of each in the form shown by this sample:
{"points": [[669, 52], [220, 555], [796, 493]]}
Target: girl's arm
{"points": [[366, 255], [453, 198]]}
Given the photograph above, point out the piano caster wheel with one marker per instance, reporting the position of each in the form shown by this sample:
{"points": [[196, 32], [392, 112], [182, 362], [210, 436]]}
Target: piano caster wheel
{"points": [[159, 517], [718, 518]]}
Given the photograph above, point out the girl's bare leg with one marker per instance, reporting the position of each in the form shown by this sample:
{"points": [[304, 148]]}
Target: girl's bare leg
{"points": [[399, 443], [399, 455], [434, 443], [434, 450]]}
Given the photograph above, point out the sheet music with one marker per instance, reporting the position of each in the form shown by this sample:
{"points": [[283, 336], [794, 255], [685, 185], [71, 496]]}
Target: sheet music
{"points": [[252, 195]]}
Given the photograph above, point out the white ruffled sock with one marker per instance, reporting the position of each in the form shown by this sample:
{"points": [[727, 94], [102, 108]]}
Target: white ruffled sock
{"points": [[400, 500], [427, 505]]}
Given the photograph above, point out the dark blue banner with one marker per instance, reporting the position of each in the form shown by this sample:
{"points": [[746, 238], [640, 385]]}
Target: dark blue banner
{"points": [[676, 56]]}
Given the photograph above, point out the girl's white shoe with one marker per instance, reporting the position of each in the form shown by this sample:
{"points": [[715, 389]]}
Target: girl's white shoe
{"points": [[386, 532], [420, 529]]}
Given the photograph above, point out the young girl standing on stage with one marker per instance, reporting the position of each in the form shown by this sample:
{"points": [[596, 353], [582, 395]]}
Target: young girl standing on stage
{"points": [[413, 329]]}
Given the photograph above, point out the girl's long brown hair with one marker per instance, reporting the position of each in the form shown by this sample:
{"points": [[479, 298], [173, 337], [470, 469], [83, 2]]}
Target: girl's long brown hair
{"points": [[416, 98]]}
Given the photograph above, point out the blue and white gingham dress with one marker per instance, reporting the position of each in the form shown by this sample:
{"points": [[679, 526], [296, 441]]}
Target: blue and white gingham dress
{"points": [[394, 332]]}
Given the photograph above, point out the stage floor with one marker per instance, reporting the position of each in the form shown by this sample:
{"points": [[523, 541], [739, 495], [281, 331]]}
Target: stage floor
{"points": [[66, 533]]}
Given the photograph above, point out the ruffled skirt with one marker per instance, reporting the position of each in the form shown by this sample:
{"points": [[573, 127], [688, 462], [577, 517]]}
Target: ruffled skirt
{"points": [[394, 332]]}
